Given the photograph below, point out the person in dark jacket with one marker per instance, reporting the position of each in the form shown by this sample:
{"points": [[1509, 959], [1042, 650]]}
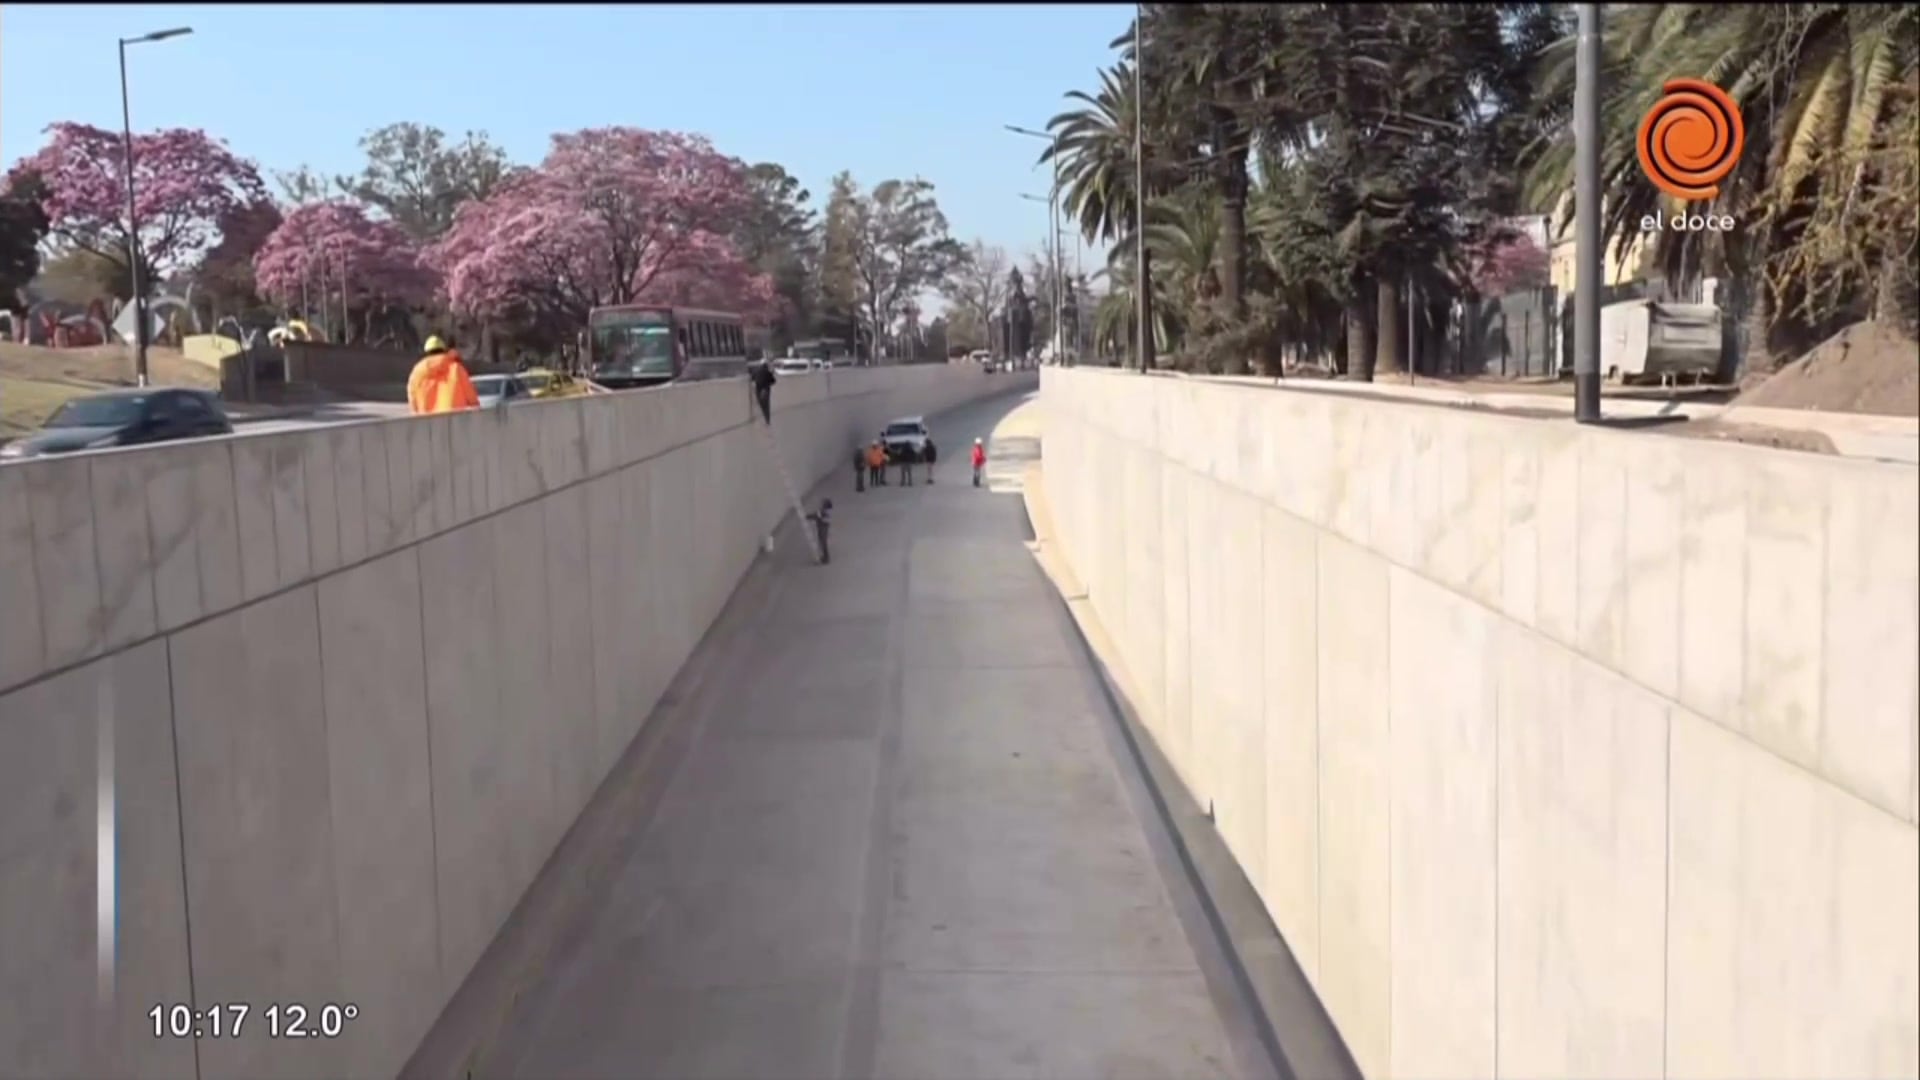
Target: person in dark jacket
{"points": [[821, 519], [859, 468], [763, 380], [930, 455], [906, 457]]}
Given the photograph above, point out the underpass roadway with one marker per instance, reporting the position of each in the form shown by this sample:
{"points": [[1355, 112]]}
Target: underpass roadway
{"points": [[884, 824]]}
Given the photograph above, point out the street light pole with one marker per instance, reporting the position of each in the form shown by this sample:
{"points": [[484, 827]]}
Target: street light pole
{"points": [[1586, 209], [133, 230], [133, 220], [1143, 274], [1054, 256], [1059, 262]]}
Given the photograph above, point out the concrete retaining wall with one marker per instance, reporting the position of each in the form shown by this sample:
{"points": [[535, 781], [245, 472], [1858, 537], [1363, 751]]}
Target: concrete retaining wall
{"points": [[358, 681], [1554, 752]]}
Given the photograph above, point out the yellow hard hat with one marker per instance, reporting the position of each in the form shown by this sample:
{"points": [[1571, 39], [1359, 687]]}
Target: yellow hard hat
{"points": [[434, 344]]}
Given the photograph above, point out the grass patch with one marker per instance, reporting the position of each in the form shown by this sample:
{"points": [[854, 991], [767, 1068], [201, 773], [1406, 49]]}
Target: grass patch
{"points": [[25, 403], [35, 380]]}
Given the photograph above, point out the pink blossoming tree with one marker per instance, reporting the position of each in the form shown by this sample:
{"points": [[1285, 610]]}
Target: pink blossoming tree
{"points": [[336, 242], [185, 183], [612, 216], [1507, 262]]}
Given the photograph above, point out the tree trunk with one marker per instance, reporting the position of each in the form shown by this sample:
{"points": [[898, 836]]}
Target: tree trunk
{"points": [[1231, 164], [1389, 329], [1756, 328], [1896, 300], [1360, 326], [1434, 324]]}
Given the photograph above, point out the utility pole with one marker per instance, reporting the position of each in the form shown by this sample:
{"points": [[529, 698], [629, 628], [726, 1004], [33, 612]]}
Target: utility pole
{"points": [[1143, 274], [1586, 210]]}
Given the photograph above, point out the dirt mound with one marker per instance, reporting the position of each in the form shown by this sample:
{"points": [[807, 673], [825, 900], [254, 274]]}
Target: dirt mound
{"points": [[1867, 368]]}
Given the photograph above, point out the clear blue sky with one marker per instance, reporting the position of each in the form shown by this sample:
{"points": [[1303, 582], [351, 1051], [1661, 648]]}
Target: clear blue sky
{"points": [[882, 91]]}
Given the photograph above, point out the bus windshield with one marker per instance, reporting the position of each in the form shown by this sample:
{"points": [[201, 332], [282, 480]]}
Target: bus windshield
{"points": [[639, 343]]}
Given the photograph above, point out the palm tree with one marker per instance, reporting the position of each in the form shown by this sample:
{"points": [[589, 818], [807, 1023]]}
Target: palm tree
{"points": [[1095, 144], [1185, 234], [1116, 316], [1299, 259], [1816, 83], [1211, 58]]}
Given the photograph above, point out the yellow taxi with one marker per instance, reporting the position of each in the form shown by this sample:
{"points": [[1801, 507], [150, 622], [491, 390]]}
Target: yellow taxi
{"points": [[547, 383]]}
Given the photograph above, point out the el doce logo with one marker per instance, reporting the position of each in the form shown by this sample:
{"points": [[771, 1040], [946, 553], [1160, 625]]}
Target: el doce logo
{"points": [[1689, 141]]}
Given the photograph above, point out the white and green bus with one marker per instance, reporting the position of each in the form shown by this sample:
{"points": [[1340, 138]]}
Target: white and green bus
{"points": [[634, 345]]}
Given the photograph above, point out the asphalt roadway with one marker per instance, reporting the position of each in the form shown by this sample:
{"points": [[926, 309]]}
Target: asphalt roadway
{"points": [[900, 836], [346, 412]]}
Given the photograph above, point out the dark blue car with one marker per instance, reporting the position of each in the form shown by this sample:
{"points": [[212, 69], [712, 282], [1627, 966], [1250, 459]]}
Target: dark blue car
{"points": [[131, 417]]}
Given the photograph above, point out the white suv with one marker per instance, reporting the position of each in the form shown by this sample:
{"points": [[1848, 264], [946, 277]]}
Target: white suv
{"points": [[907, 431]]}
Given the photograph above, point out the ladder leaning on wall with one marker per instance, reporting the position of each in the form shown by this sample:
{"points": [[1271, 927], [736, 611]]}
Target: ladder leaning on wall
{"points": [[786, 481]]}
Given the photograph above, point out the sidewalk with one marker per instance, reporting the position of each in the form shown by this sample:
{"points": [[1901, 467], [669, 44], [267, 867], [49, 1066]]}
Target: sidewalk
{"points": [[904, 839], [1861, 435]]}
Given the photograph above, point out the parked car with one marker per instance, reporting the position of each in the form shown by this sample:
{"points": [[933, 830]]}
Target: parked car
{"points": [[131, 417], [907, 431], [494, 389], [795, 365]]}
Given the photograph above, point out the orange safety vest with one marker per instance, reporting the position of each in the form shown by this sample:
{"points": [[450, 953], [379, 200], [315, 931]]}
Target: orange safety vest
{"points": [[876, 457], [439, 383]]}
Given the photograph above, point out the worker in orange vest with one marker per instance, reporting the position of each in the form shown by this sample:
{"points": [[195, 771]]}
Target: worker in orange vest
{"points": [[979, 461], [439, 382]]}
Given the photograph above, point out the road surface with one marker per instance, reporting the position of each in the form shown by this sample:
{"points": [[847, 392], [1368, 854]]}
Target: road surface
{"points": [[901, 837], [347, 412]]}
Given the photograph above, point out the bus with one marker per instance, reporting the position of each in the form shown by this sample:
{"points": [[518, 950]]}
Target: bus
{"points": [[633, 345]]}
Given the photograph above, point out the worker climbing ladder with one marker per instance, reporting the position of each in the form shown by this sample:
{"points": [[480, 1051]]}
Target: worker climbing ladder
{"points": [[793, 493]]}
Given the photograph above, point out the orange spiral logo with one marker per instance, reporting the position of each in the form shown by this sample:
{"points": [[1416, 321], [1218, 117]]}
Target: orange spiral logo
{"points": [[1691, 139]]}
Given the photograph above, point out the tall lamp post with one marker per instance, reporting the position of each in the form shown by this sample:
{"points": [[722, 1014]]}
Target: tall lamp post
{"points": [[1053, 260], [1586, 216], [1053, 224], [133, 222], [1143, 273]]}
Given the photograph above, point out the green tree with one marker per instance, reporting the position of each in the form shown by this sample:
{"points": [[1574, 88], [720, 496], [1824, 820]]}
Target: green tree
{"points": [[1095, 147], [1212, 55], [899, 247], [1819, 88], [836, 281], [977, 288], [417, 178], [938, 345], [23, 225], [78, 276], [780, 235], [301, 186]]}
